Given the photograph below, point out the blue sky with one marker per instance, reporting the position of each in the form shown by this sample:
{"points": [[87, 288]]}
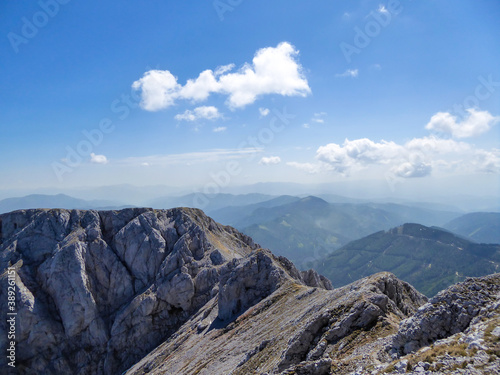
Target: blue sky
{"points": [[406, 92]]}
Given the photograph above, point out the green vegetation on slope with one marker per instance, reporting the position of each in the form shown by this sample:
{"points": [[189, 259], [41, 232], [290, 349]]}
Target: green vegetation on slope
{"points": [[428, 258], [310, 228]]}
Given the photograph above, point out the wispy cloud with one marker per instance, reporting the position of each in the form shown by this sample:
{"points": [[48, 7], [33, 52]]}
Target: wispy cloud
{"points": [[319, 117], [312, 168], [190, 157], [352, 73], [382, 9], [219, 129], [274, 70]]}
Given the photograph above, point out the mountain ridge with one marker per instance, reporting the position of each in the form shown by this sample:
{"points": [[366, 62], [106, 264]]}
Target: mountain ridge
{"points": [[100, 280], [172, 291], [430, 259]]}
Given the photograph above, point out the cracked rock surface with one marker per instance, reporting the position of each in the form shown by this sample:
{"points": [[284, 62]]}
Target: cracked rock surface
{"points": [[142, 291], [97, 290]]}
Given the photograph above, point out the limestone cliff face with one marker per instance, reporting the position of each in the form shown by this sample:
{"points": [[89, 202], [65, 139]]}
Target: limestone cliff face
{"points": [[99, 290]]}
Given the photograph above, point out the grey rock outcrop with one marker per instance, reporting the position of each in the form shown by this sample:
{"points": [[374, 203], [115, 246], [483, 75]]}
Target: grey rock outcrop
{"points": [[460, 324], [449, 312], [97, 290]]}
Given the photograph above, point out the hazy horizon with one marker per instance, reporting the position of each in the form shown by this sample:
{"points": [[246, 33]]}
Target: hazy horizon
{"points": [[127, 194]]}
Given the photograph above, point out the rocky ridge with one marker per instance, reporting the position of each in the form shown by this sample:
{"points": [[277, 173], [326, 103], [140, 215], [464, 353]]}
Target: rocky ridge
{"points": [[295, 330], [97, 290], [457, 331], [173, 292]]}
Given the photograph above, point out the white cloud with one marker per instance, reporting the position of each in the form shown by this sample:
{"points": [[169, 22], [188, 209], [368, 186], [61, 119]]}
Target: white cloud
{"points": [[436, 145], [418, 157], [223, 69], [199, 89], [487, 161], [264, 111], [382, 9], [219, 129], [98, 159], [357, 153], [159, 89], [411, 170], [306, 126], [349, 73], [274, 70], [477, 123], [204, 112], [270, 160]]}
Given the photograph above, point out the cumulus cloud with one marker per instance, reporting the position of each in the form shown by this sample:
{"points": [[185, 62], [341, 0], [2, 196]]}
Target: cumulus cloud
{"points": [[274, 70], [359, 152], [219, 129], [353, 73], [204, 112], [98, 159], [159, 89], [476, 123], [415, 158], [199, 89], [419, 157], [436, 145], [410, 170], [270, 160]]}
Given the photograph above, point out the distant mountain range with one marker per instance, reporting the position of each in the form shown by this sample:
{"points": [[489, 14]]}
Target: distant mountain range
{"points": [[477, 226], [55, 201], [304, 229], [429, 258], [208, 202]]}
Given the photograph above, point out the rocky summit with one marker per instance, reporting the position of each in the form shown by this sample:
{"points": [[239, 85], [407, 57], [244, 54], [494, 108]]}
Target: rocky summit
{"points": [[143, 291]]}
